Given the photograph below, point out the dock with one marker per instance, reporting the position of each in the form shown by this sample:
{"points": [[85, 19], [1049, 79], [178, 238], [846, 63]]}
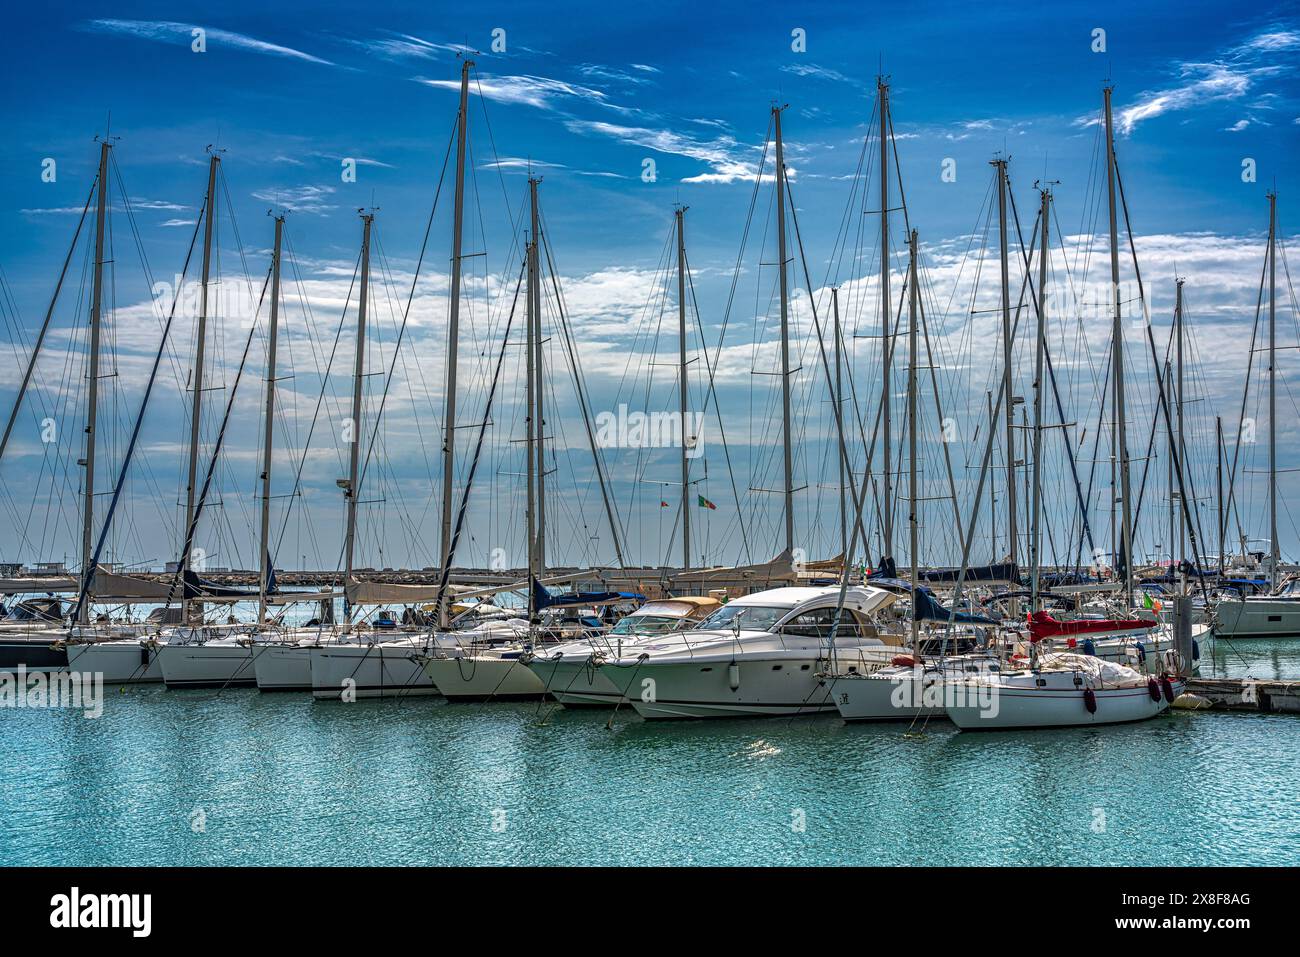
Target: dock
{"points": [[1242, 694]]}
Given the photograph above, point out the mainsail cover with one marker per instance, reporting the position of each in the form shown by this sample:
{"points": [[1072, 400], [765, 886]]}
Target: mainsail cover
{"points": [[542, 598], [928, 609], [1001, 572]]}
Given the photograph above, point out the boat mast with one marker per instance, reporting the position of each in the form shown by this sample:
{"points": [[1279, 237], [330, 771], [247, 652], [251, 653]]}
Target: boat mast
{"points": [[911, 436], [882, 89], [539, 380], [529, 405], [272, 336], [92, 393], [839, 402], [1182, 444], [1119, 433], [1218, 481], [788, 457], [453, 327], [1036, 515], [1173, 482], [1274, 551], [1010, 408], [358, 380], [681, 345], [200, 349]]}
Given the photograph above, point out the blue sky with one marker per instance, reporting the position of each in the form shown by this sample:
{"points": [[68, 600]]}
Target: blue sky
{"points": [[588, 94]]}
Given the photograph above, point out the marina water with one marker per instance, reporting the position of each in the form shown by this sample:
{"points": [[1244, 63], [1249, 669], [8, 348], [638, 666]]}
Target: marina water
{"points": [[239, 777]]}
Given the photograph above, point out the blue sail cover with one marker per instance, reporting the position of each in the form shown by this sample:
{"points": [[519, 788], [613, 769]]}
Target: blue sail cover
{"points": [[545, 599], [928, 609], [1004, 572]]}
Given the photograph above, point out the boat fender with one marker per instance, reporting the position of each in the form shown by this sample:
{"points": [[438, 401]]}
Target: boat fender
{"points": [[1090, 700], [1168, 687], [733, 676], [1153, 689], [1196, 650], [144, 655], [902, 660], [1142, 651], [1089, 648]]}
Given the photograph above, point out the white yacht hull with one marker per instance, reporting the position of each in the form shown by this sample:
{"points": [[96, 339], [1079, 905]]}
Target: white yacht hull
{"points": [[1055, 708], [121, 661], [379, 670], [1258, 618], [282, 667], [703, 689], [879, 698], [575, 681], [212, 664], [484, 678]]}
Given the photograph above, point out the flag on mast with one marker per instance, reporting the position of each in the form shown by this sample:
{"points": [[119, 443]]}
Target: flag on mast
{"points": [[705, 503]]}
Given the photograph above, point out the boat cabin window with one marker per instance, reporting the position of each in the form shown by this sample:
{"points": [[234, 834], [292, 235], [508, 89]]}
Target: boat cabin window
{"points": [[645, 625], [747, 617], [818, 622]]}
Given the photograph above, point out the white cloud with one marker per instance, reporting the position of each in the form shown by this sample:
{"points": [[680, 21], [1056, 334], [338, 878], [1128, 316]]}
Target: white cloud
{"points": [[536, 91], [168, 31], [723, 154], [300, 199], [812, 69]]}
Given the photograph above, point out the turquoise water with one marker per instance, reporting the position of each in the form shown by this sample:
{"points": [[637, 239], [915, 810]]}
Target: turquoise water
{"points": [[280, 779]]}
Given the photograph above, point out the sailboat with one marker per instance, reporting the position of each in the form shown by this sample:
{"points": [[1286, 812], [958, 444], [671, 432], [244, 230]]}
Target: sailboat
{"points": [[904, 689], [1067, 689], [464, 668], [1277, 614], [352, 662]]}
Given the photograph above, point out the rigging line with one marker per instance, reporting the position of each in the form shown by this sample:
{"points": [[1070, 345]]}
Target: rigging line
{"points": [[49, 313], [444, 578], [858, 492], [1245, 391], [1047, 355], [406, 314], [181, 567], [1160, 389], [717, 409], [325, 382], [580, 388], [88, 573]]}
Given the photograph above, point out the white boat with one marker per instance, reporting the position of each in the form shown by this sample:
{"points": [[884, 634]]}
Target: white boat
{"points": [[759, 655], [371, 667], [571, 671], [206, 656], [124, 653], [1065, 690], [1260, 616], [904, 691], [484, 663], [491, 674]]}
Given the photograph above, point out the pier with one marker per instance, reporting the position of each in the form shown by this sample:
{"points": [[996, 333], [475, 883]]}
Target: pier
{"points": [[1244, 694]]}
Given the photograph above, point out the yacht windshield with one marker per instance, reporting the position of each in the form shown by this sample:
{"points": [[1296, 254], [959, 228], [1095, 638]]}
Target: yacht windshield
{"points": [[749, 617], [645, 625]]}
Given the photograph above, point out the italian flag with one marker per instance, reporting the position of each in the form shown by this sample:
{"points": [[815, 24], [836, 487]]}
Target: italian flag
{"points": [[705, 503]]}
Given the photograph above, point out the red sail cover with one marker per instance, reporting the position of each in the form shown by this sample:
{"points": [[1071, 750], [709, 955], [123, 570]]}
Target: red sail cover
{"points": [[1043, 625]]}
